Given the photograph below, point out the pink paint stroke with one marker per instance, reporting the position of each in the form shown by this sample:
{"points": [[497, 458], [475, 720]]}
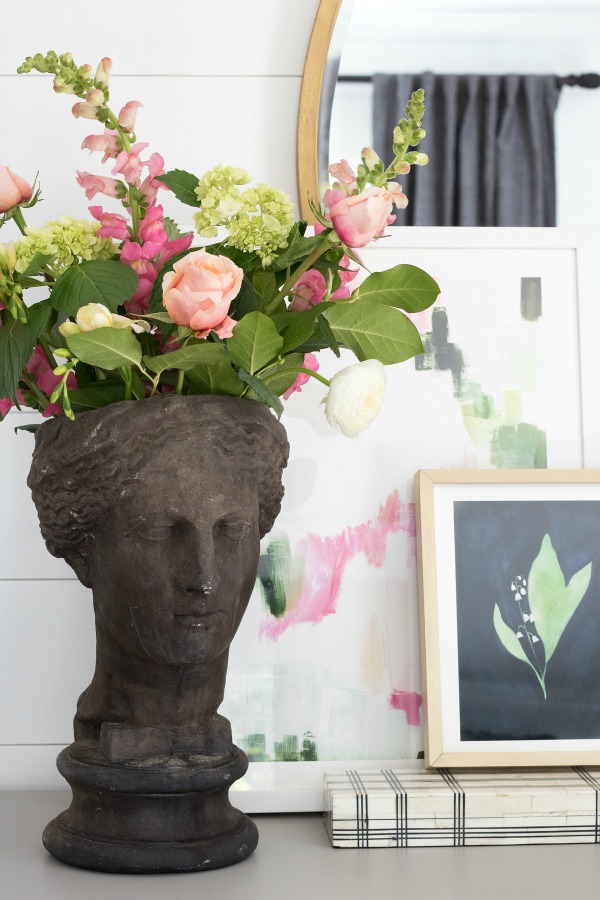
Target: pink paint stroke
{"points": [[325, 561], [408, 701]]}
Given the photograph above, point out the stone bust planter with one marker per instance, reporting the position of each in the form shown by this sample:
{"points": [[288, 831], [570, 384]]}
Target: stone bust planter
{"points": [[158, 505]]}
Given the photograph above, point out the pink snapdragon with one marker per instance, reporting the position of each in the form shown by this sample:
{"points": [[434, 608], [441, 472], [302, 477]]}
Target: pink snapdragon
{"points": [[150, 186], [106, 142], [345, 176], [98, 184], [139, 302], [102, 75], [152, 231], [129, 165], [112, 225], [310, 362], [84, 110], [128, 115]]}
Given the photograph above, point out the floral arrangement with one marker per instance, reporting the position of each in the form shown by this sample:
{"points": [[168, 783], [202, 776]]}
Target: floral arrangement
{"points": [[133, 309]]}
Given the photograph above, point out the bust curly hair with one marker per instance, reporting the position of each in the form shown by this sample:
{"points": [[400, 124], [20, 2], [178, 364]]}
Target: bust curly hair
{"points": [[81, 469]]}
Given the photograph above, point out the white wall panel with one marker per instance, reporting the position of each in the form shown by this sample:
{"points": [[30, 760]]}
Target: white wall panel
{"points": [[191, 37], [220, 83], [194, 123], [47, 653], [24, 553]]}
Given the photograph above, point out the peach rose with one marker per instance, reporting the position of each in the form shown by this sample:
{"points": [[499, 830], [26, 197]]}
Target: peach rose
{"points": [[361, 217], [13, 189], [199, 290]]}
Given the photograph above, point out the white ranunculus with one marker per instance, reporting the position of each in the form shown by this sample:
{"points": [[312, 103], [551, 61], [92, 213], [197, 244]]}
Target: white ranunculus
{"points": [[355, 396]]}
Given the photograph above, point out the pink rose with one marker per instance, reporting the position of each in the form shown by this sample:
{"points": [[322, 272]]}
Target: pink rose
{"points": [[362, 217], [13, 189], [308, 291], [199, 290]]}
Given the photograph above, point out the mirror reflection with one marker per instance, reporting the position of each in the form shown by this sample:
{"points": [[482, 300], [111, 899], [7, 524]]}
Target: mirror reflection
{"points": [[509, 142]]}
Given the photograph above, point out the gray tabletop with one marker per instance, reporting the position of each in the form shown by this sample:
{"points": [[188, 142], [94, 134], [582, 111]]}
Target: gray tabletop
{"points": [[294, 861]]}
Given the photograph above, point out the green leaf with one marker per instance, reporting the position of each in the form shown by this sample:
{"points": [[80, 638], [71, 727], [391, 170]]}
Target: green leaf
{"points": [[508, 638], [374, 331], [171, 229], [280, 377], [38, 261], [183, 184], [217, 378], [404, 286], [328, 335], [105, 281], [198, 354], [254, 342], [96, 395], [298, 249], [261, 390], [106, 348], [245, 302], [243, 259], [17, 343], [553, 602], [267, 291], [297, 327]]}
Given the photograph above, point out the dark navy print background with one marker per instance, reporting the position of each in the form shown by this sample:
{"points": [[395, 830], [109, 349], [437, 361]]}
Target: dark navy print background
{"points": [[500, 696]]}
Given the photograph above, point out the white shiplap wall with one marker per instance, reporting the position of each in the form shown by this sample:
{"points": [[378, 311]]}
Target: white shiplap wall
{"points": [[220, 82]]}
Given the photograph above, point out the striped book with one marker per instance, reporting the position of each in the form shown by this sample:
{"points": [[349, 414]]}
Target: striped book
{"points": [[408, 807]]}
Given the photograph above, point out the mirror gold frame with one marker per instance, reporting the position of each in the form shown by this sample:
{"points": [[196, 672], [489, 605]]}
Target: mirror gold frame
{"points": [[307, 164]]}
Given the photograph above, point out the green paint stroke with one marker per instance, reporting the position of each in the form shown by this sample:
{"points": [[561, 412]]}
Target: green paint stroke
{"points": [[288, 749], [255, 747], [531, 299], [521, 446], [274, 576]]}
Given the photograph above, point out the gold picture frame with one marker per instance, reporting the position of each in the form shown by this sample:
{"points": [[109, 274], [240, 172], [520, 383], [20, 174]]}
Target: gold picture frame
{"points": [[491, 698], [307, 164]]}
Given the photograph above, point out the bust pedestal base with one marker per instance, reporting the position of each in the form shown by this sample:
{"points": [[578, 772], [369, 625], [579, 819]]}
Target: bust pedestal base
{"points": [[161, 815]]}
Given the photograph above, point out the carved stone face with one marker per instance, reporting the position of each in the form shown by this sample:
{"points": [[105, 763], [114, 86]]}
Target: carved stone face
{"points": [[174, 563]]}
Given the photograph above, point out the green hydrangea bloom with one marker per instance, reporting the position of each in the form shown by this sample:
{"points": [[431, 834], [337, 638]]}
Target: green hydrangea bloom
{"points": [[257, 219], [65, 240]]}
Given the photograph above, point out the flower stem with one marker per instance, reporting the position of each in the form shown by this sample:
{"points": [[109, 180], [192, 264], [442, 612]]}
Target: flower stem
{"points": [[47, 351], [20, 220], [179, 386], [319, 250], [39, 395]]}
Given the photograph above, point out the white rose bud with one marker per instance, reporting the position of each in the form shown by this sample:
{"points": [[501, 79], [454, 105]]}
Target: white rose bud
{"points": [[355, 396], [96, 315]]}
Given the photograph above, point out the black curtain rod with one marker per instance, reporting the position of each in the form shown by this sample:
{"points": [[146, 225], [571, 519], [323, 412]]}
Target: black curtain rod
{"points": [[590, 80]]}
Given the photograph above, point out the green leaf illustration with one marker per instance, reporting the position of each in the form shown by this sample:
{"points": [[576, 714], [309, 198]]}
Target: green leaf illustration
{"points": [[511, 642], [551, 600]]}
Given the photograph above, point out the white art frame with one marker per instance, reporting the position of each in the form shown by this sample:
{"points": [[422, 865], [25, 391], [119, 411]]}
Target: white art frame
{"points": [[334, 487], [297, 786], [505, 683]]}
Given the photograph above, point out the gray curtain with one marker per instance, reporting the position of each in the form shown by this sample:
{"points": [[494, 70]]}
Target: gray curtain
{"points": [[490, 142]]}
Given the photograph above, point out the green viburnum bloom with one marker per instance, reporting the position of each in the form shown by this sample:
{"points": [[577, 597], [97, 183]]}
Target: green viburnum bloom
{"points": [[64, 240], [258, 218]]}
